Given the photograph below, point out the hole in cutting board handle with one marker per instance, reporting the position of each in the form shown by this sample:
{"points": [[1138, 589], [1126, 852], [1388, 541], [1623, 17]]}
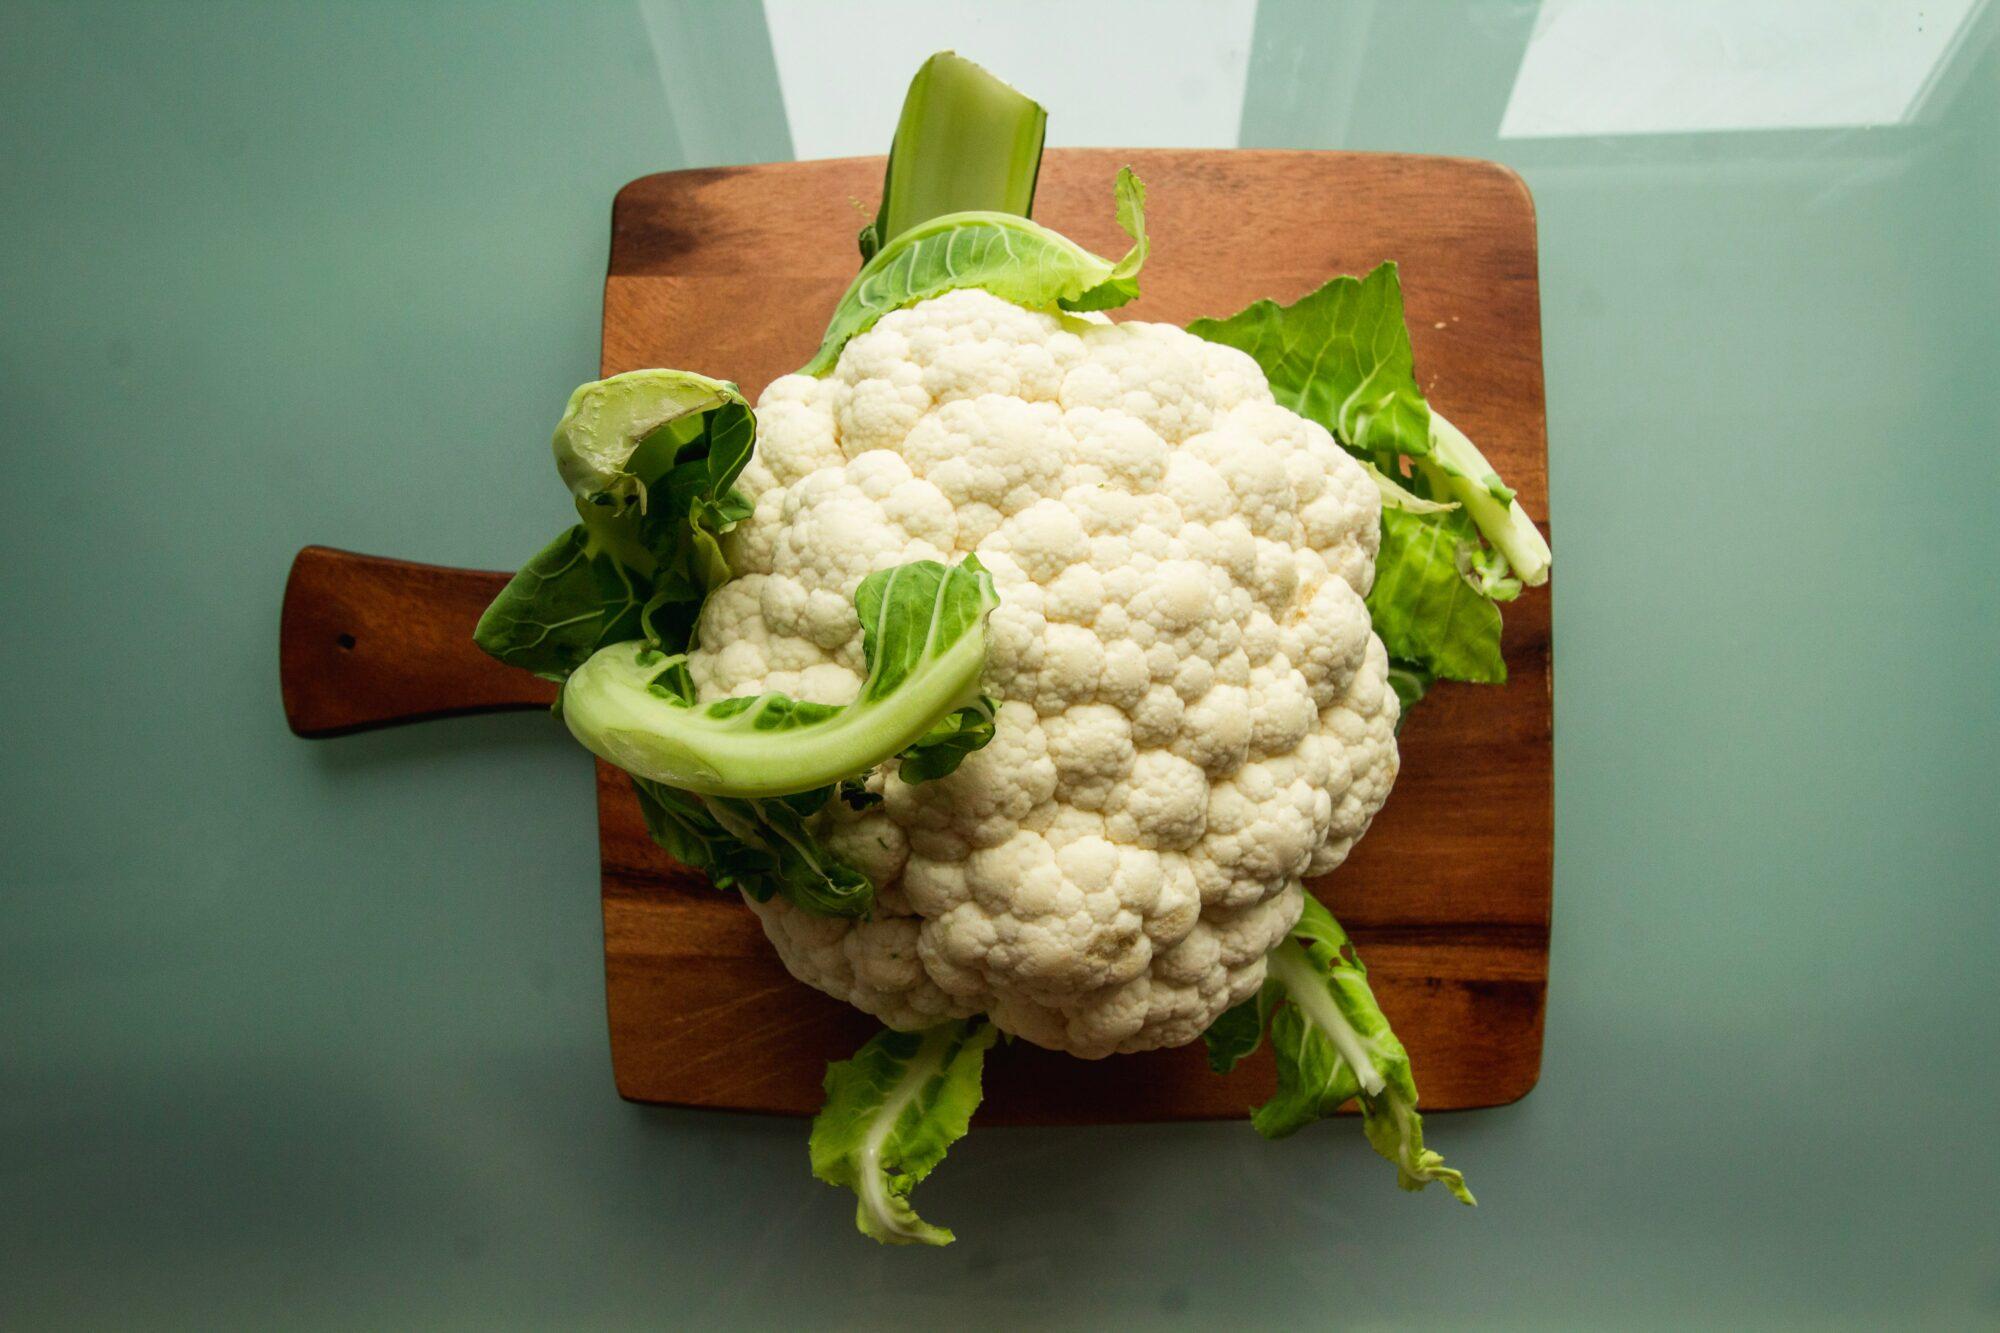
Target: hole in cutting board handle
{"points": [[420, 661]]}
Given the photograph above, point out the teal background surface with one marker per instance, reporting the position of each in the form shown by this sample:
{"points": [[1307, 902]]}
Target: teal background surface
{"points": [[311, 1035]]}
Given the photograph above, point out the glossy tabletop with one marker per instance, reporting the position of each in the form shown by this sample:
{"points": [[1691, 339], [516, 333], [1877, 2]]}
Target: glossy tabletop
{"points": [[313, 1035]]}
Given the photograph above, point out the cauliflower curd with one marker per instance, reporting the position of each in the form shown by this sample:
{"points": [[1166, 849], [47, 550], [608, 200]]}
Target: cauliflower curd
{"points": [[1194, 712]]}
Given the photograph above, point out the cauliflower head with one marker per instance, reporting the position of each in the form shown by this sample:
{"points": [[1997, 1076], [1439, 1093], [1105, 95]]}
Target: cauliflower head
{"points": [[1193, 710]]}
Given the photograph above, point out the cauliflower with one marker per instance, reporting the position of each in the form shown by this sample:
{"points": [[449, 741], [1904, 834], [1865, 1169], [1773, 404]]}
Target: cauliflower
{"points": [[1016, 666], [1192, 710]]}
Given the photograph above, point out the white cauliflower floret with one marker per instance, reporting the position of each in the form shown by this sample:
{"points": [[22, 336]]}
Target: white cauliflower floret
{"points": [[1194, 710]]}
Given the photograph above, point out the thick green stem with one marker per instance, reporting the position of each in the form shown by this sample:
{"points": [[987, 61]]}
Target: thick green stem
{"points": [[610, 708], [966, 143], [1456, 468], [900, 1225], [1307, 989]]}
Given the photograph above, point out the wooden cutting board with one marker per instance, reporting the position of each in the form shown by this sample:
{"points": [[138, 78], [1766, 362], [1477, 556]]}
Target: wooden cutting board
{"points": [[732, 272]]}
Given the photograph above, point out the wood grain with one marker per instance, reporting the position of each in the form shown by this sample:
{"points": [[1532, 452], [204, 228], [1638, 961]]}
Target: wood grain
{"points": [[733, 272], [368, 642]]}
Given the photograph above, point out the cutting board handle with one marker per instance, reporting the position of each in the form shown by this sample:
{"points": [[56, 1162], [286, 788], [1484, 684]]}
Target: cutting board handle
{"points": [[366, 642]]}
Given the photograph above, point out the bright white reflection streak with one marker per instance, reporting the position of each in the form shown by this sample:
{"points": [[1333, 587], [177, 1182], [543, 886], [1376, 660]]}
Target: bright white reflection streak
{"points": [[1124, 73], [1594, 67]]}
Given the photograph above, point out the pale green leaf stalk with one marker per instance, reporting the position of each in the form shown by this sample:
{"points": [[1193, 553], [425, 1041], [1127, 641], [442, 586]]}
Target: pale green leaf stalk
{"points": [[1333, 1044], [891, 1113], [1007, 255], [966, 142], [1456, 468], [1395, 495], [924, 636]]}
